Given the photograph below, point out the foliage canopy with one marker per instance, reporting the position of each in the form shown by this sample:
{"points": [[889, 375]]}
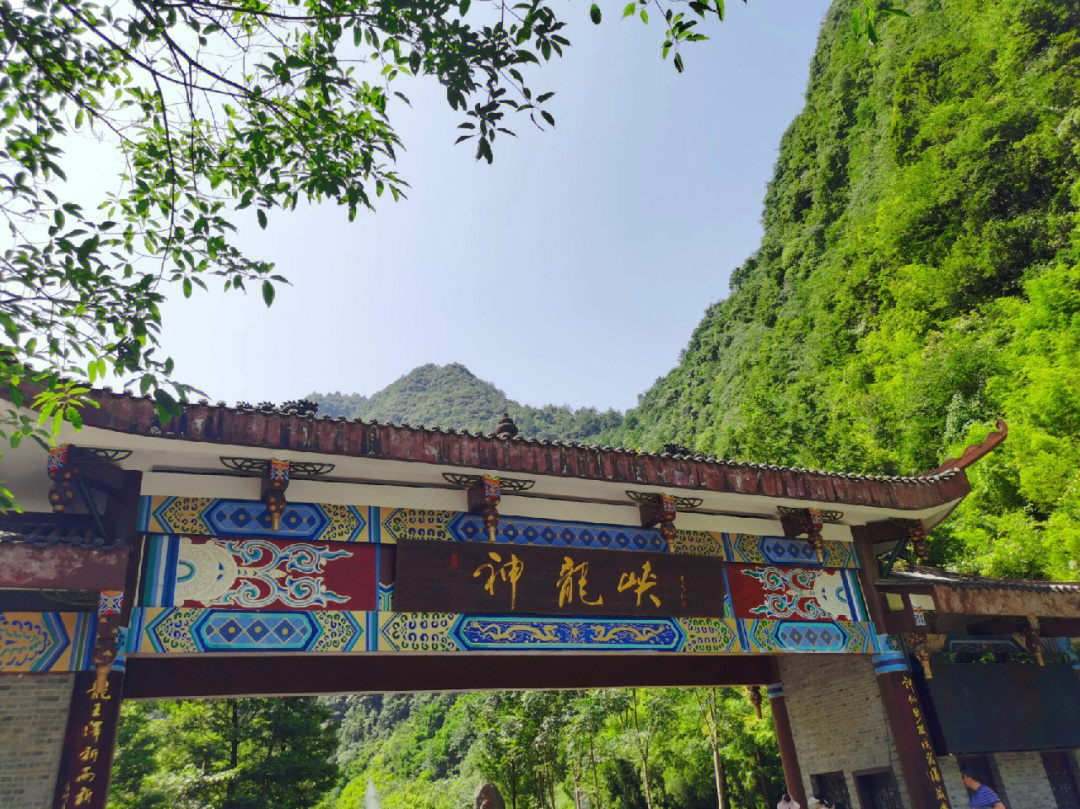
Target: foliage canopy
{"points": [[543, 749]]}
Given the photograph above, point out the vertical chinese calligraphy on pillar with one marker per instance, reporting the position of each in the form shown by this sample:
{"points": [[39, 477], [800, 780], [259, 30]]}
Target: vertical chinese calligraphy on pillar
{"points": [[83, 780], [918, 761]]}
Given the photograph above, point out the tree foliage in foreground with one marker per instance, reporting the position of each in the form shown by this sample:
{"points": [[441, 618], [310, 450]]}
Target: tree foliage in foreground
{"points": [[543, 749], [224, 754]]}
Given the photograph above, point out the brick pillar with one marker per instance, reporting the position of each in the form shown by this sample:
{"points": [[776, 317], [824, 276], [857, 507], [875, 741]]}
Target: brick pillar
{"points": [[918, 762], [33, 714], [786, 743], [83, 781]]}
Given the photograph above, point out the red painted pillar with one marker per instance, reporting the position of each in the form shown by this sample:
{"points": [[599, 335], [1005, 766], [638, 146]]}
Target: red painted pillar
{"points": [[907, 724], [94, 715], [83, 782], [786, 743], [918, 762]]}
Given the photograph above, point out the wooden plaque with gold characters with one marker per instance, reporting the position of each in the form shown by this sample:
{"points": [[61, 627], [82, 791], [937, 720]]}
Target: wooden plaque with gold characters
{"points": [[475, 577]]}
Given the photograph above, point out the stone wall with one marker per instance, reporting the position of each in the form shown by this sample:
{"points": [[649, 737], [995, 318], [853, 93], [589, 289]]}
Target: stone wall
{"points": [[33, 718], [837, 718]]}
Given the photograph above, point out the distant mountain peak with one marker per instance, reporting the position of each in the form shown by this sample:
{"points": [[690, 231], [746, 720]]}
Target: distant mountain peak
{"points": [[452, 397]]}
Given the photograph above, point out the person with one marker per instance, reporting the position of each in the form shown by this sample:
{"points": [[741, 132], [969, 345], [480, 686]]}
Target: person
{"points": [[787, 803], [982, 797]]}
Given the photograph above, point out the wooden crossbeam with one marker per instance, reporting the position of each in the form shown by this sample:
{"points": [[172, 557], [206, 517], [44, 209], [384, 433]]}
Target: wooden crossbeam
{"points": [[270, 675]]}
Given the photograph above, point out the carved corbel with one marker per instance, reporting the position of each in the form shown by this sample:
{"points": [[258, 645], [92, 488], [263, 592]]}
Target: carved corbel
{"points": [[485, 493], [275, 482], [484, 498], [921, 650], [106, 648], [813, 533], [660, 509], [63, 472], [917, 535], [1031, 638], [809, 521], [753, 692], [660, 512]]}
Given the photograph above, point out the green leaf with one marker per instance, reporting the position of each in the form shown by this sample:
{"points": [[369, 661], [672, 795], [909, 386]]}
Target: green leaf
{"points": [[268, 292], [678, 62], [630, 9], [594, 14], [261, 215], [483, 149], [187, 287], [464, 6]]}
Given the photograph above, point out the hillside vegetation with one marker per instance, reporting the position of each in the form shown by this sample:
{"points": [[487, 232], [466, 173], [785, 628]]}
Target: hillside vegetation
{"points": [[918, 277]]}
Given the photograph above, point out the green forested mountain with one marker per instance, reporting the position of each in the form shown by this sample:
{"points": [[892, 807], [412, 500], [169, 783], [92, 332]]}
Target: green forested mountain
{"points": [[449, 396], [919, 276]]}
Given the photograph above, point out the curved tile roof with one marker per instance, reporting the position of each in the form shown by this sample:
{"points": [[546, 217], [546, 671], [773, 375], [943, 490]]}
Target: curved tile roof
{"points": [[941, 577], [270, 428]]}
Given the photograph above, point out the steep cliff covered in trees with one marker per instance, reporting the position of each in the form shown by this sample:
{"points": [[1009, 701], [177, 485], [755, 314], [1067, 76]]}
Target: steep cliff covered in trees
{"points": [[919, 276]]}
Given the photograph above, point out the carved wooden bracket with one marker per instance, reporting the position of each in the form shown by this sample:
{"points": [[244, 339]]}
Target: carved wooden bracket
{"points": [[485, 493], [660, 509], [63, 472], [484, 498], [754, 694], [1031, 638], [274, 483], [809, 521], [917, 534], [660, 512], [106, 647], [921, 651]]}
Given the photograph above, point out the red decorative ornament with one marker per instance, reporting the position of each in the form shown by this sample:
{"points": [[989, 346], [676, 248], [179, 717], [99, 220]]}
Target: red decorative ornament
{"points": [[813, 525], [63, 475]]}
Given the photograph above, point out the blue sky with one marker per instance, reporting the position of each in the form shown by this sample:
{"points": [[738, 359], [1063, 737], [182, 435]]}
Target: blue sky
{"points": [[572, 271]]}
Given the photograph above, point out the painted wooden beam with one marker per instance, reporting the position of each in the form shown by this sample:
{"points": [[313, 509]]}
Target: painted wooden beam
{"points": [[59, 567]]}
